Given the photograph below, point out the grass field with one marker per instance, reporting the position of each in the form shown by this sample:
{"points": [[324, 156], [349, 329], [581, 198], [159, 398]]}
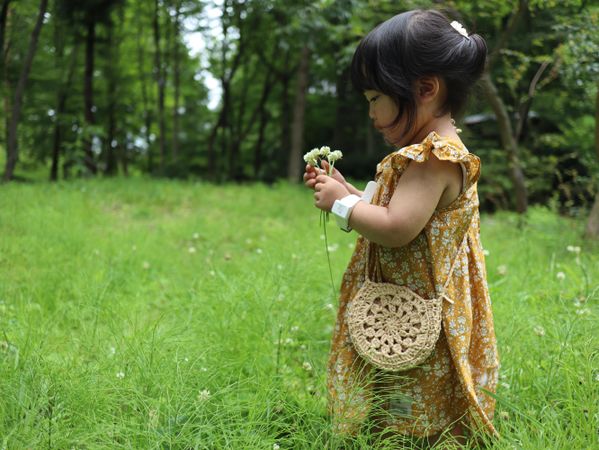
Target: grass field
{"points": [[154, 314]]}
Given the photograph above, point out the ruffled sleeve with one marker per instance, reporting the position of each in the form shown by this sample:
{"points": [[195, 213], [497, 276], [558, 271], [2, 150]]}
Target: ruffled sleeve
{"points": [[443, 148]]}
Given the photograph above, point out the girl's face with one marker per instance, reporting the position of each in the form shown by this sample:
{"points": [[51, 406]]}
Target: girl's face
{"points": [[383, 111]]}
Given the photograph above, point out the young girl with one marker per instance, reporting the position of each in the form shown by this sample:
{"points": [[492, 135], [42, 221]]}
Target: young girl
{"points": [[415, 71]]}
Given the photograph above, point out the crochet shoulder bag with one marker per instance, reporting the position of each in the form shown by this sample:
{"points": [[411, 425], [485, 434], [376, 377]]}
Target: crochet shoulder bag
{"points": [[391, 326]]}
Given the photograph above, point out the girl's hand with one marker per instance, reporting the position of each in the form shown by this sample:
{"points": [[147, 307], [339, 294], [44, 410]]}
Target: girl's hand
{"points": [[326, 191], [311, 173], [336, 175]]}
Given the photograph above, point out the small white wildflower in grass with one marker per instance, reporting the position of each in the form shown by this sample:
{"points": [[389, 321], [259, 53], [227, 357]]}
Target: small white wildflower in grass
{"points": [[502, 270], [303, 347], [486, 252], [191, 250], [281, 297], [195, 236], [295, 328], [203, 369], [275, 446], [504, 385], [146, 265], [120, 375], [204, 395], [212, 273], [288, 341], [561, 276], [280, 267], [504, 415], [351, 245], [259, 251], [597, 376], [112, 351], [573, 249], [330, 306], [577, 303], [583, 311], [307, 366], [186, 359], [333, 247], [539, 330]]}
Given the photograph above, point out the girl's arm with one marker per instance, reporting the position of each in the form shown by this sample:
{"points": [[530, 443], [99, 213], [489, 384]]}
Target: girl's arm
{"points": [[417, 195]]}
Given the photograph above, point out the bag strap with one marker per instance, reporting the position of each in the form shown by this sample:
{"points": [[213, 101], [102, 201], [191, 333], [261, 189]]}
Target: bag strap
{"points": [[371, 253]]}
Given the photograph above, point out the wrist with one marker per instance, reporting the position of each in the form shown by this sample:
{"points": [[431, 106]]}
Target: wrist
{"points": [[342, 209]]}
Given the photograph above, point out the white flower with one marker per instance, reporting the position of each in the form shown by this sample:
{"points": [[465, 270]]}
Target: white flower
{"points": [[275, 446], [560, 276], [212, 273], [539, 330], [294, 328], [191, 250], [280, 267], [333, 247], [583, 311], [307, 366], [329, 306], [486, 252], [502, 270], [120, 375], [573, 249], [288, 341], [312, 157], [146, 265], [203, 369], [325, 151], [195, 236], [204, 395], [335, 156], [112, 351], [459, 28], [259, 251]]}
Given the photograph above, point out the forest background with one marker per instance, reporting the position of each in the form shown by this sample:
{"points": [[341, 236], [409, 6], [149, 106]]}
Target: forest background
{"points": [[118, 88]]}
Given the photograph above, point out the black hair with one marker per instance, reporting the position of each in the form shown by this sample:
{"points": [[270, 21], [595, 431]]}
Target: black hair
{"points": [[412, 45]]}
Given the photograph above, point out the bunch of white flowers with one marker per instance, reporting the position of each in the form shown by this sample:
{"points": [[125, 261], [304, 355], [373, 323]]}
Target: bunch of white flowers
{"points": [[314, 156]]}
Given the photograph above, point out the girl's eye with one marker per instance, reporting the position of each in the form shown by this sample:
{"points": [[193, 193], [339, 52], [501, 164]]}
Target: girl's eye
{"points": [[373, 99]]}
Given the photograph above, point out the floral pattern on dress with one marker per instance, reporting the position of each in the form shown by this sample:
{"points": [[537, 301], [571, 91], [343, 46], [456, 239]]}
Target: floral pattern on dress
{"points": [[450, 385]]}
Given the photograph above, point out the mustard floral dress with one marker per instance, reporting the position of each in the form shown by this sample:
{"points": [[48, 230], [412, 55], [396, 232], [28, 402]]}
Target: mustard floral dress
{"points": [[449, 386]]}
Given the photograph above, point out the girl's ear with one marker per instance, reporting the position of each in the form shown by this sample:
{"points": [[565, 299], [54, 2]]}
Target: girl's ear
{"points": [[427, 88]]}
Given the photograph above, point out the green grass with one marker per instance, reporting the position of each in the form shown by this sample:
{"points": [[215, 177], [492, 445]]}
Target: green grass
{"points": [[122, 301]]}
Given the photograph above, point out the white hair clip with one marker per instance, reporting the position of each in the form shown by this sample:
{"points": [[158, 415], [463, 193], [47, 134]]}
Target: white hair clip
{"points": [[460, 28]]}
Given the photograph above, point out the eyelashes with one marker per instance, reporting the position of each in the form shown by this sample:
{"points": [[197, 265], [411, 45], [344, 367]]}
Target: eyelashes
{"points": [[373, 99]]}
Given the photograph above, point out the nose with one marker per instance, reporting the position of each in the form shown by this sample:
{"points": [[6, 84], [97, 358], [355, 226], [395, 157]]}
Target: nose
{"points": [[371, 111]]}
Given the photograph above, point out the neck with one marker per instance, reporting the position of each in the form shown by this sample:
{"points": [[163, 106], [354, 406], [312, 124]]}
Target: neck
{"points": [[441, 125]]}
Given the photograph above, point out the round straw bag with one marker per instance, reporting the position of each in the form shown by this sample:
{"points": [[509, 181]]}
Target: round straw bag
{"points": [[391, 326]]}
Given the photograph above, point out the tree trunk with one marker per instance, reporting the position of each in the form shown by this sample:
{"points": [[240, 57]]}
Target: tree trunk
{"points": [[177, 80], [61, 101], [141, 69], [3, 22], [12, 148], [112, 64], [508, 141], [160, 81], [592, 229], [263, 113], [341, 110], [294, 167], [88, 94]]}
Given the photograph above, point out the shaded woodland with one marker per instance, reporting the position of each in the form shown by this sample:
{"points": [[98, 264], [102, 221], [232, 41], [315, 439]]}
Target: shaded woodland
{"points": [[102, 88]]}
